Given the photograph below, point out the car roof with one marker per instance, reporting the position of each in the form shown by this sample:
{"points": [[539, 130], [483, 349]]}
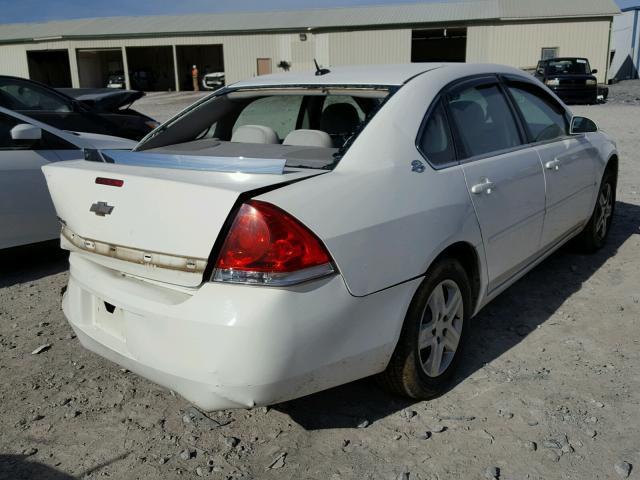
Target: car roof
{"points": [[343, 75], [371, 75]]}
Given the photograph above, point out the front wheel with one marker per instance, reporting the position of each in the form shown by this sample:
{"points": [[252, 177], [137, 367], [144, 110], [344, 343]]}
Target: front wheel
{"points": [[433, 334], [595, 233]]}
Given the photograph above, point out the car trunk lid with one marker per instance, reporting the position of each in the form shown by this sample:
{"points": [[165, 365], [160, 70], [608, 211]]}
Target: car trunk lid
{"points": [[155, 216]]}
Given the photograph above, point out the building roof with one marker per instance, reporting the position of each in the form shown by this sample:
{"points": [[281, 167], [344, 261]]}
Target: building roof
{"points": [[377, 75], [306, 20]]}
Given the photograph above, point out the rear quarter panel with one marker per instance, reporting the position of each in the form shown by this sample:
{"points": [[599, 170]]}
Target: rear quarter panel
{"points": [[382, 223]]}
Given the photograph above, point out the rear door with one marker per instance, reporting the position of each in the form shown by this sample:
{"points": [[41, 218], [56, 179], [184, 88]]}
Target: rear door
{"points": [[570, 162], [504, 177]]}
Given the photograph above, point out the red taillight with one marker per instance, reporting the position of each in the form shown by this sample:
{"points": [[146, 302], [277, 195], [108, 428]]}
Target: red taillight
{"points": [[111, 182], [266, 245]]}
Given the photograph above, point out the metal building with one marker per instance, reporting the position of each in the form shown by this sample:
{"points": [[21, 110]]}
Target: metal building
{"points": [[157, 52], [625, 44]]}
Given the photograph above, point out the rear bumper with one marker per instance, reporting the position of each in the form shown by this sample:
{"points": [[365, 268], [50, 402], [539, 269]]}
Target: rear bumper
{"points": [[226, 346]]}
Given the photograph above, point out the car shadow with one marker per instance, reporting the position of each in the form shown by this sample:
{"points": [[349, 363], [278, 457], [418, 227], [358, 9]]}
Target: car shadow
{"points": [[499, 327], [31, 262], [19, 467]]}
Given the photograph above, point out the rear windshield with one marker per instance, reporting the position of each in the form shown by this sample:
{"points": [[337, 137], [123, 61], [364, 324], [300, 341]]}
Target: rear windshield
{"points": [[568, 66], [309, 127]]}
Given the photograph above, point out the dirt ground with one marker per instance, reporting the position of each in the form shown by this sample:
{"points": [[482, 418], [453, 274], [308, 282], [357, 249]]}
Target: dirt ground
{"points": [[550, 390]]}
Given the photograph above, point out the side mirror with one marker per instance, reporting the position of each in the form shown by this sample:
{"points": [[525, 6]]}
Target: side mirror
{"points": [[594, 71], [581, 125], [540, 71], [26, 133]]}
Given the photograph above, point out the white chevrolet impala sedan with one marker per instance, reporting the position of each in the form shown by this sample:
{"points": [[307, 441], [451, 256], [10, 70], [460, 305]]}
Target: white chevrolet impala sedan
{"points": [[295, 232]]}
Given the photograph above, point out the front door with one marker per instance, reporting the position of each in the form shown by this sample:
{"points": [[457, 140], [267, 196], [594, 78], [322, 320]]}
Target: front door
{"points": [[504, 177], [27, 214], [569, 161]]}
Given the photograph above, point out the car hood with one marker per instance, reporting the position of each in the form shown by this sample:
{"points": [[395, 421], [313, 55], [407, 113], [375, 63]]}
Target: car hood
{"points": [[103, 99]]}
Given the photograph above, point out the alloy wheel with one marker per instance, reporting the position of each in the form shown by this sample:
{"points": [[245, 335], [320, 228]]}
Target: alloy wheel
{"points": [[440, 328], [604, 210]]}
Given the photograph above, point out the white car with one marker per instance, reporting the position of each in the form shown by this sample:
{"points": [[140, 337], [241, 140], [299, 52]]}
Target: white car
{"points": [[212, 81], [299, 231], [26, 145]]}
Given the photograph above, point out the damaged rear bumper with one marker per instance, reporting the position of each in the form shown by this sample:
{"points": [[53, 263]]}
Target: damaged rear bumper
{"points": [[227, 346]]}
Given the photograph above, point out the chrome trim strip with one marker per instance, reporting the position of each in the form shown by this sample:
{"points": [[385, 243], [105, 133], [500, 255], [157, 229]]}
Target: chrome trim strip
{"points": [[134, 255]]}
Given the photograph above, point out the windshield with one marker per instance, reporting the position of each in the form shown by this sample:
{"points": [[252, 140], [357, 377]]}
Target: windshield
{"points": [[568, 66], [307, 126]]}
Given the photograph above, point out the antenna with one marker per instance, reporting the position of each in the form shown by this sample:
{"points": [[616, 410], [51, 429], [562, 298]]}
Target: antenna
{"points": [[320, 71]]}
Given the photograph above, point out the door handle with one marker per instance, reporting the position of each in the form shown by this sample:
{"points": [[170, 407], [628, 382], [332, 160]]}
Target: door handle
{"points": [[486, 186], [552, 165]]}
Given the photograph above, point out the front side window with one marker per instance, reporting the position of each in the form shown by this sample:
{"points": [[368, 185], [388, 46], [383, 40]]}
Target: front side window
{"points": [[544, 119], [22, 96], [49, 141], [484, 122], [435, 141]]}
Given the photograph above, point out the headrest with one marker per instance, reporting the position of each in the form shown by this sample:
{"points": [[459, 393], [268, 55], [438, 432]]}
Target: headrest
{"points": [[308, 138], [254, 134], [339, 119]]}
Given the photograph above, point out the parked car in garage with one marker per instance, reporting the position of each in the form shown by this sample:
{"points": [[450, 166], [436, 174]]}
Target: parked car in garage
{"points": [[116, 80], [213, 80], [572, 79], [26, 145], [298, 231], [103, 111]]}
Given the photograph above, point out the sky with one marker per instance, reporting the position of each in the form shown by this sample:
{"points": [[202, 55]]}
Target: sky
{"points": [[14, 11]]}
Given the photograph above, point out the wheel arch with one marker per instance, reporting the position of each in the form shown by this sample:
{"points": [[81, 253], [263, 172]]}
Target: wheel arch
{"points": [[612, 165], [469, 258]]}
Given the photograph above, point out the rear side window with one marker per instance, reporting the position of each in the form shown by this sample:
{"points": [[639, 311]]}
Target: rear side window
{"points": [[544, 119], [277, 112], [435, 140], [484, 121]]}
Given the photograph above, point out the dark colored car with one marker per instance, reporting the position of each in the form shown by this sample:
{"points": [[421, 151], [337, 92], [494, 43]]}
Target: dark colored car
{"points": [[570, 78], [105, 111]]}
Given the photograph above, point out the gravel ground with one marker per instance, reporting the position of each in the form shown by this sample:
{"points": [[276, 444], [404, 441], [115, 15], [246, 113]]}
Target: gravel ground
{"points": [[551, 388]]}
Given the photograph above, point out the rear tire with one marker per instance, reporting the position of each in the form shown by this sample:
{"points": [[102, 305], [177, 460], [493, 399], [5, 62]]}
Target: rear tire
{"points": [[595, 233], [433, 335]]}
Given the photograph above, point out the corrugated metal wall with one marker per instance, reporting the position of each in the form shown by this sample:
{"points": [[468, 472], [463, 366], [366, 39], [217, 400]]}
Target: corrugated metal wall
{"points": [[520, 44], [369, 47]]}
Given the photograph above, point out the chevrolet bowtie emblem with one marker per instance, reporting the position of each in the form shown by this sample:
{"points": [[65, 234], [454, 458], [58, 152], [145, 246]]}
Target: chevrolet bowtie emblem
{"points": [[101, 209]]}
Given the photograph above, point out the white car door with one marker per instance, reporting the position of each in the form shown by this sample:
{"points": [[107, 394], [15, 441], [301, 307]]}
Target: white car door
{"points": [[504, 177], [570, 162], [27, 214]]}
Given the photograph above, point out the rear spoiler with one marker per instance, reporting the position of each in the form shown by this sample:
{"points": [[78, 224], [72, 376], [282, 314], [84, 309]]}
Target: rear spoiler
{"points": [[103, 99], [187, 162]]}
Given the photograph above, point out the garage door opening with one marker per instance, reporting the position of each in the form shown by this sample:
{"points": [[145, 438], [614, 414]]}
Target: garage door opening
{"points": [[207, 58], [439, 45], [96, 66], [151, 68], [50, 67]]}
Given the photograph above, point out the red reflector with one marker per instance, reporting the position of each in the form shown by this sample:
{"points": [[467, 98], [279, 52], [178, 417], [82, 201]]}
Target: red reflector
{"points": [[264, 238], [112, 182]]}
